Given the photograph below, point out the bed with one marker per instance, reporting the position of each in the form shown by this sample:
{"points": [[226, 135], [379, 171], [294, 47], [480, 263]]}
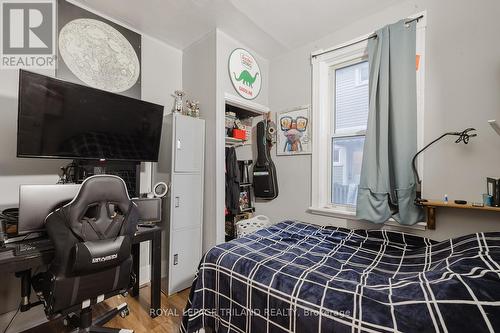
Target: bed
{"points": [[296, 277]]}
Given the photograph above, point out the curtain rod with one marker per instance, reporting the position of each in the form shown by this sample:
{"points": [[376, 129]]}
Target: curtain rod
{"points": [[362, 40]]}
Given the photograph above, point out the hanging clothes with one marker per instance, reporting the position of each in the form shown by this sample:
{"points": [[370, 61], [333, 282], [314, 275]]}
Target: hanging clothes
{"points": [[232, 181]]}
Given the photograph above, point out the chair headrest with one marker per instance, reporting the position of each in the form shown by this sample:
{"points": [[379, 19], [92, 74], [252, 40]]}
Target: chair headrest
{"points": [[99, 190]]}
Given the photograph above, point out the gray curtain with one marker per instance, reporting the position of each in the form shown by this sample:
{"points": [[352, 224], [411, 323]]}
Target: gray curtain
{"points": [[387, 186]]}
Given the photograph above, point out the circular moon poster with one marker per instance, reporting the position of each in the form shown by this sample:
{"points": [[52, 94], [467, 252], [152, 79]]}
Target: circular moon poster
{"points": [[245, 73], [99, 55]]}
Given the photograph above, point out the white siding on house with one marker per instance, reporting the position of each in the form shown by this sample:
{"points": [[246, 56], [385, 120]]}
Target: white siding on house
{"points": [[351, 97], [345, 177], [351, 115]]}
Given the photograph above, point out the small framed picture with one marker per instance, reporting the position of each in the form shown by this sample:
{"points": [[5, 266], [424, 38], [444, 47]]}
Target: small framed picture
{"points": [[294, 131]]}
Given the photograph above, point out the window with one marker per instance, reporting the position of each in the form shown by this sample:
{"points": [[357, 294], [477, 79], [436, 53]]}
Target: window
{"points": [[340, 116], [349, 110]]}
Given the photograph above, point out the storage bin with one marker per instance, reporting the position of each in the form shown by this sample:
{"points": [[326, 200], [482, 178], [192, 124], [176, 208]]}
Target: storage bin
{"points": [[246, 227]]}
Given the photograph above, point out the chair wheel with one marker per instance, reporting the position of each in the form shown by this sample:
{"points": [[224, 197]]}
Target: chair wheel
{"points": [[124, 313], [71, 321]]}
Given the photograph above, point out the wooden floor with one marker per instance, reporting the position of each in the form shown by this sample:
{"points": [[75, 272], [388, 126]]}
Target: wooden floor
{"points": [[139, 319]]}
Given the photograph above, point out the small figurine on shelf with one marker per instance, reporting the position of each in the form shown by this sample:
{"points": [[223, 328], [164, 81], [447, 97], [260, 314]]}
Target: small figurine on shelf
{"points": [[189, 108], [193, 109], [178, 104], [197, 109]]}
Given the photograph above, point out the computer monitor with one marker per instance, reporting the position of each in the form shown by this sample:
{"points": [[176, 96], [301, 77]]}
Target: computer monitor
{"points": [[38, 201], [149, 209], [59, 119]]}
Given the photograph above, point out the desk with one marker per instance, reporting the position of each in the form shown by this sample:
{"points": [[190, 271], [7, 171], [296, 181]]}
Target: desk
{"points": [[153, 235], [9, 263]]}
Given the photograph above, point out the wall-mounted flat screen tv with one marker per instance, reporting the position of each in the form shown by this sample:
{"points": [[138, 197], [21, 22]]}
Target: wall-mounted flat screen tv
{"points": [[58, 119]]}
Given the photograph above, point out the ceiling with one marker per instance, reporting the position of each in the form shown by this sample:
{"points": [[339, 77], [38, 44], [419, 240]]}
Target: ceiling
{"points": [[270, 27]]}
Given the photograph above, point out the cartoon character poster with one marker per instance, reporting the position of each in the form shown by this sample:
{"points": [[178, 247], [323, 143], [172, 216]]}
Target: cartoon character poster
{"points": [[294, 131]]}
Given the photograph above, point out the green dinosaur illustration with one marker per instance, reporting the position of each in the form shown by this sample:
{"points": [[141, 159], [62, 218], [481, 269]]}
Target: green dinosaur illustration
{"points": [[247, 78]]}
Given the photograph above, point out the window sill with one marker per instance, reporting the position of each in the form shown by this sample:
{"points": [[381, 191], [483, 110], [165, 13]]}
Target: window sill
{"points": [[351, 215], [333, 212]]}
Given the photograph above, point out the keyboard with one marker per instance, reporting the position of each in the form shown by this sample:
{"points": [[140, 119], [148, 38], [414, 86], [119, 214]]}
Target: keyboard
{"points": [[32, 246]]}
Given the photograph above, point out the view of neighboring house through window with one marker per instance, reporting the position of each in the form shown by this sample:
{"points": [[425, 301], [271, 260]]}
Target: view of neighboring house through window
{"points": [[350, 116]]}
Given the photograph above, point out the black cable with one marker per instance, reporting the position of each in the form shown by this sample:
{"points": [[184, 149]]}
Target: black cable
{"points": [[12, 319], [71, 178], [10, 215], [26, 236], [68, 176], [8, 218]]}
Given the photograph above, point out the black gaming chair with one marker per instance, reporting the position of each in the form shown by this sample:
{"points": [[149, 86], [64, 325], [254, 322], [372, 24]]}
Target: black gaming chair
{"points": [[92, 236]]}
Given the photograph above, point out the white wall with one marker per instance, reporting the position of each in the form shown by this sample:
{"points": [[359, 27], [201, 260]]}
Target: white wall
{"points": [[206, 78], [461, 90], [161, 75], [225, 45], [199, 81]]}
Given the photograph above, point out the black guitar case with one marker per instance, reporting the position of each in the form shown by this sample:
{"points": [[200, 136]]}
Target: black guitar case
{"points": [[265, 182]]}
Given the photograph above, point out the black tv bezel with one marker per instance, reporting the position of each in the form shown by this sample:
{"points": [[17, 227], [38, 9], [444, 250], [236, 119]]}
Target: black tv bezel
{"points": [[103, 158]]}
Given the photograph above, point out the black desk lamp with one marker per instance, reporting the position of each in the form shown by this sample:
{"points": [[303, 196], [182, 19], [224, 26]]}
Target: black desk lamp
{"points": [[463, 136]]}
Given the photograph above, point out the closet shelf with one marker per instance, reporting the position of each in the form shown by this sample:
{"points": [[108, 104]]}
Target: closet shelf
{"points": [[233, 142]]}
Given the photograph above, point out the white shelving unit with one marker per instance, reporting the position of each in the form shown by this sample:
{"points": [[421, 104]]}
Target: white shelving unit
{"points": [[182, 163]]}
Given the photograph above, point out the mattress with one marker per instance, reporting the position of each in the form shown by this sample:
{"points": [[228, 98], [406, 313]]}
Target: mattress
{"points": [[297, 277]]}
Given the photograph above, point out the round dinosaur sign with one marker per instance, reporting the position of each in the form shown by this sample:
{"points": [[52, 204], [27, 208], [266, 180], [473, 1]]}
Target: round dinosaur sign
{"points": [[245, 73]]}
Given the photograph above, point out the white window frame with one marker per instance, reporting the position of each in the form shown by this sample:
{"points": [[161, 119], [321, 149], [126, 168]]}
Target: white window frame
{"points": [[351, 52], [323, 120], [351, 132]]}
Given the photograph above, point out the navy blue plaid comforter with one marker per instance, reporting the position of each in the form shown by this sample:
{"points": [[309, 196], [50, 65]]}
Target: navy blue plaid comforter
{"points": [[295, 277]]}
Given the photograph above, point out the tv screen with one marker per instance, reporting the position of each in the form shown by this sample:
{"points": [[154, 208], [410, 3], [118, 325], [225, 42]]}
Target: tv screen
{"points": [[58, 119]]}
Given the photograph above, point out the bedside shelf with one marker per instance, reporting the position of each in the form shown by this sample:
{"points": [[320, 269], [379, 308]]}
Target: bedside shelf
{"points": [[431, 205]]}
